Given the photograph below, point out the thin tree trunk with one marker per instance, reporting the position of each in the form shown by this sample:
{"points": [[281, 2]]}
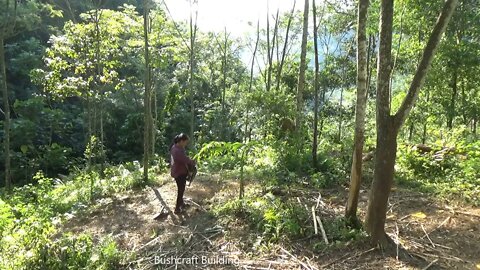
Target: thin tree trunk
{"points": [[270, 53], [410, 131], [154, 117], [315, 85], [424, 133], [284, 51], [464, 102], [475, 128], [388, 125], [6, 108], [247, 117], [267, 75], [303, 67], [425, 62], [147, 98], [224, 71], [360, 111], [193, 33], [451, 109]]}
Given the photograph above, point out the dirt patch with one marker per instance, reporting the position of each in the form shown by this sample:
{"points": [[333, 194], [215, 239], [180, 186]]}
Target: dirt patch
{"points": [[446, 234], [128, 217]]}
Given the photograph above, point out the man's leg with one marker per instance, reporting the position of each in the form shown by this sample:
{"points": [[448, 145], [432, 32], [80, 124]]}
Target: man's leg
{"points": [[181, 183]]}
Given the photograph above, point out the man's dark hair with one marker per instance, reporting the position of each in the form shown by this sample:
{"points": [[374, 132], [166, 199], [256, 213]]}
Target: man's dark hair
{"points": [[180, 137]]}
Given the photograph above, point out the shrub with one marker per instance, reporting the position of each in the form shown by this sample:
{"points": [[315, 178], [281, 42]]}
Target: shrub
{"points": [[273, 217]]}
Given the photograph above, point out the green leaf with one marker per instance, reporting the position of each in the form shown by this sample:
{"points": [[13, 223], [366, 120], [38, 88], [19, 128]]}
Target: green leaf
{"points": [[24, 149]]}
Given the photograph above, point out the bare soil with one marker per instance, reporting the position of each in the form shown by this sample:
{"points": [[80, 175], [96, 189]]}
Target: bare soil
{"points": [[436, 234]]}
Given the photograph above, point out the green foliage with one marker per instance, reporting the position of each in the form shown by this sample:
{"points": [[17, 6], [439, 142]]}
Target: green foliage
{"points": [[95, 151], [339, 231], [78, 252], [31, 214], [226, 155], [273, 217], [452, 172], [281, 218]]}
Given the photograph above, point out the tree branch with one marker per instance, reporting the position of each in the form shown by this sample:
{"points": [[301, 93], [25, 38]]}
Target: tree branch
{"points": [[425, 62]]}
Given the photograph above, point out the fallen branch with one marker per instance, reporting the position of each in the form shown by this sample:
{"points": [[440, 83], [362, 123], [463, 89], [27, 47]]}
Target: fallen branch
{"points": [[324, 234], [467, 213], [343, 259], [438, 227], [430, 264], [296, 259], [196, 204], [428, 237], [314, 221]]}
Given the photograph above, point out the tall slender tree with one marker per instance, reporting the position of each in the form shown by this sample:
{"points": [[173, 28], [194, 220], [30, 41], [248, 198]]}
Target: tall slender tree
{"points": [[191, 85], [6, 109], [285, 44], [315, 86], [303, 67], [389, 125], [359, 136], [15, 17], [147, 94], [250, 87]]}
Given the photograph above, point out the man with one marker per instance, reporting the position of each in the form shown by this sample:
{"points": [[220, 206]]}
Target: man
{"points": [[180, 163]]}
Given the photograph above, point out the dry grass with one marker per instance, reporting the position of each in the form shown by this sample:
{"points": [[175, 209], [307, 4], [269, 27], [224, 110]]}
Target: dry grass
{"points": [[437, 234]]}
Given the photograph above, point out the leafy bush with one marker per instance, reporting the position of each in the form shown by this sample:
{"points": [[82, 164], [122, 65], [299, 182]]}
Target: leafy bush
{"points": [[77, 252], [453, 174], [30, 215], [273, 217]]}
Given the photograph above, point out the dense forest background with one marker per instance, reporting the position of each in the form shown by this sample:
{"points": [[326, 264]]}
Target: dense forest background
{"points": [[83, 97], [75, 70]]}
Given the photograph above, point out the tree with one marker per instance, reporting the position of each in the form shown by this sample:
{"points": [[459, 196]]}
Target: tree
{"points": [[246, 135], [193, 37], [359, 136], [389, 125], [303, 67], [316, 90], [147, 143], [6, 106], [285, 43], [15, 17]]}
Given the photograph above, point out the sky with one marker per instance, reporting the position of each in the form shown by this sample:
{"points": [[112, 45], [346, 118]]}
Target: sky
{"points": [[235, 15]]}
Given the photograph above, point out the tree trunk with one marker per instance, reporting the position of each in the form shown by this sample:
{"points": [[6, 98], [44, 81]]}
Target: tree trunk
{"points": [[424, 133], [247, 117], [193, 33], [315, 105], [284, 51], [451, 109], [270, 53], [474, 129], [340, 116], [303, 67], [360, 109], [411, 131], [388, 125], [147, 98], [382, 180], [370, 65], [154, 117], [425, 63], [224, 82], [6, 108]]}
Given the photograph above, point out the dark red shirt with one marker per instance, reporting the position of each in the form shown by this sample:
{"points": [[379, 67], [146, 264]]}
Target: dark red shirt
{"points": [[179, 161]]}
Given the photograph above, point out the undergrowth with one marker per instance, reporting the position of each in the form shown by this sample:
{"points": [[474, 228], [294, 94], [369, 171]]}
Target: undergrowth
{"points": [[30, 215]]}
